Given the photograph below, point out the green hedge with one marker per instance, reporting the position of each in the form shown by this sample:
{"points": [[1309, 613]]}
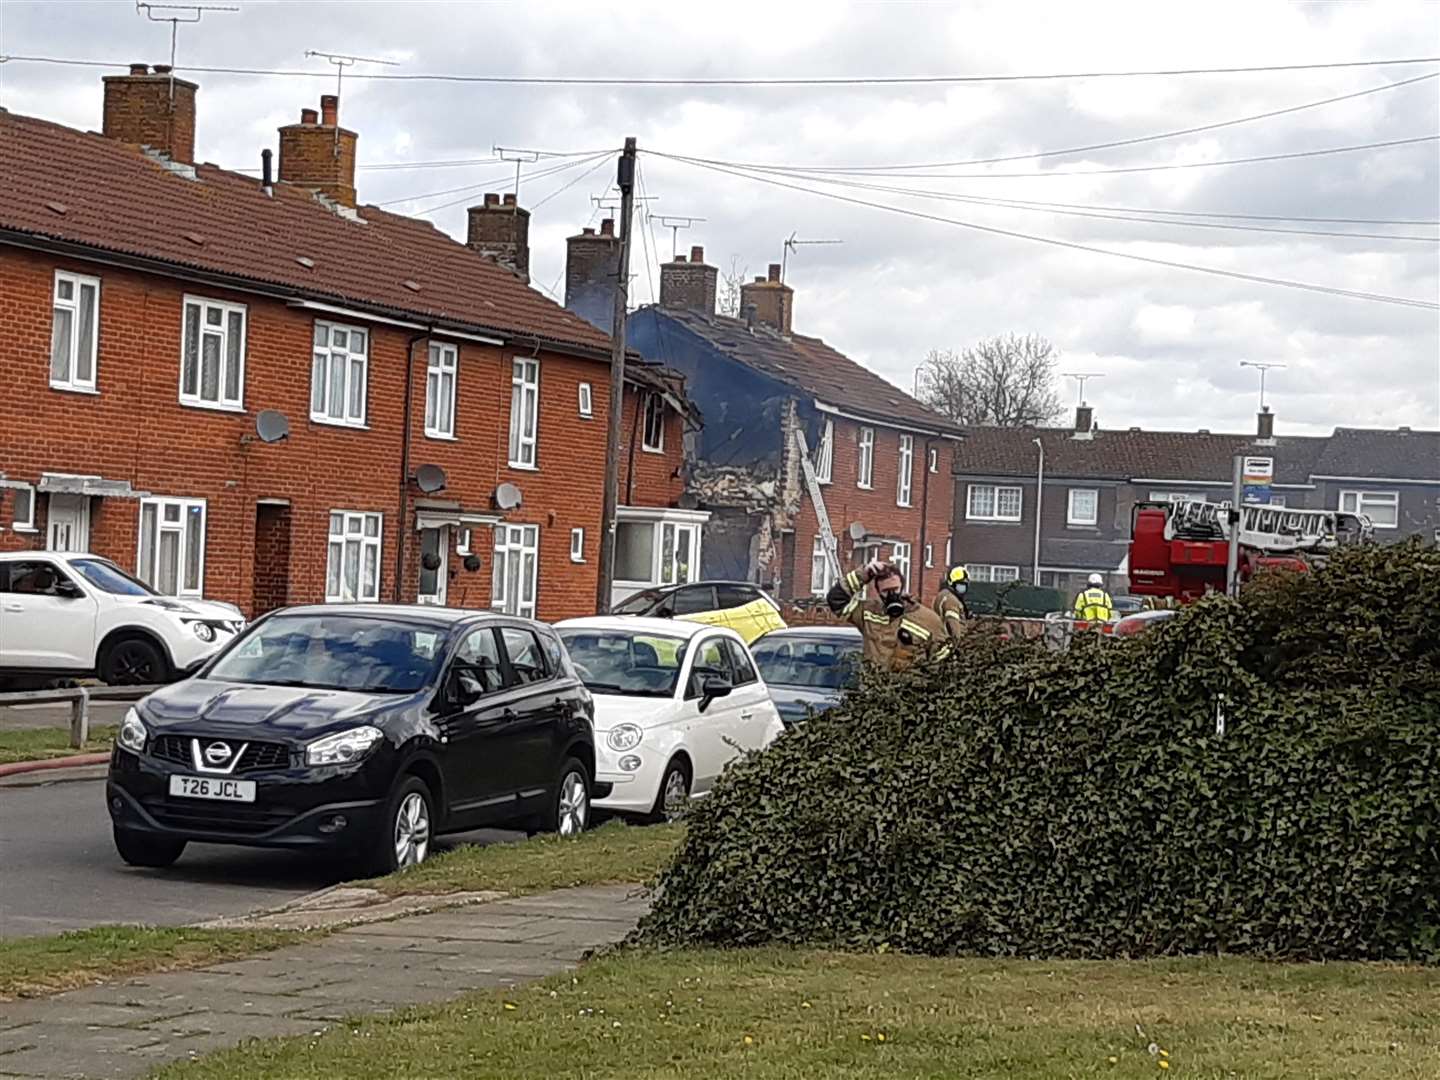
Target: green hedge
{"points": [[1020, 802], [1015, 598]]}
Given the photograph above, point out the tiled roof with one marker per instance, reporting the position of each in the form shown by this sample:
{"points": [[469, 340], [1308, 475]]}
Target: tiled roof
{"points": [[812, 367], [1197, 456], [81, 188]]}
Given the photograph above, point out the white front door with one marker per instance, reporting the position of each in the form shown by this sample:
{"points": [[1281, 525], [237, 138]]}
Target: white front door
{"points": [[678, 543], [69, 523], [434, 549]]}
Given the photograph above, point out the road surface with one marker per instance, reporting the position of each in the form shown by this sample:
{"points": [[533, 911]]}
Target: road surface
{"points": [[59, 870]]}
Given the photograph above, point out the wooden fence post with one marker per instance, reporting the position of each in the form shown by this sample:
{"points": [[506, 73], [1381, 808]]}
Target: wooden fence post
{"points": [[80, 718]]}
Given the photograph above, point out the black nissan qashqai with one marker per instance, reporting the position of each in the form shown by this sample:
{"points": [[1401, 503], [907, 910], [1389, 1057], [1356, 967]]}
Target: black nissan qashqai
{"points": [[359, 729]]}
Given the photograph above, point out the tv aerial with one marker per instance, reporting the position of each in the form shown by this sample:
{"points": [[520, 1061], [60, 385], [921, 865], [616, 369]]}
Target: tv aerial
{"points": [[1261, 366], [183, 13], [674, 222], [791, 243], [1080, 377]]}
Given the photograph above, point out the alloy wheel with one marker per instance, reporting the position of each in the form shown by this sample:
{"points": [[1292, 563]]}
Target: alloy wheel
{"points": [[677, 794], [412, 830], [574, 805], [134, 665]]}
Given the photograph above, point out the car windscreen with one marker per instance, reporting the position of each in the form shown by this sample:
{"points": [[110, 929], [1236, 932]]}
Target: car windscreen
{"points": [[638, 604], [619, 662], [110, 578], [335, 652], [816, 663]]}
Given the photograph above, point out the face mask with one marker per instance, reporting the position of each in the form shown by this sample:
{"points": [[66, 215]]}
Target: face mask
{"points": [[894, 603], [959, 588]]}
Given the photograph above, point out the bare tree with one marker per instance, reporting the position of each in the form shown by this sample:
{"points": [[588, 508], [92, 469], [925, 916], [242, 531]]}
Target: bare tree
{"points": [[1006, 381], [727, 300]]}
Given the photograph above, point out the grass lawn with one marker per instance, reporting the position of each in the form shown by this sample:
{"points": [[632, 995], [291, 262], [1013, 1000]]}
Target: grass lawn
{"points": [[36, 744], [781, 1015], [32, 966], [613, 853]]}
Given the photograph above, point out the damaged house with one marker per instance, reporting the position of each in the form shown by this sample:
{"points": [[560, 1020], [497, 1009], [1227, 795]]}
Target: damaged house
{"points": [[881, 461]]}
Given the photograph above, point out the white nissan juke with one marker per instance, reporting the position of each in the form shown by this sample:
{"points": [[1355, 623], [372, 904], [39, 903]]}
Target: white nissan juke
{"points": [[675, 702]]}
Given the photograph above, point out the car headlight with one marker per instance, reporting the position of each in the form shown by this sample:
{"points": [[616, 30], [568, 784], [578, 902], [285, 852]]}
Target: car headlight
{"points": [[132, 732], [625, 737], [204, 631], [343, 747]]}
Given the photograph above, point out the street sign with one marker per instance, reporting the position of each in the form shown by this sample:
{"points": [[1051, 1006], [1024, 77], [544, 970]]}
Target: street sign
{"points": [[1256, 475]]}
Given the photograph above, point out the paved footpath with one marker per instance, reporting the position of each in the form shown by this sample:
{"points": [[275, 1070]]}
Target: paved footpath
{"points": [[128, 1028]]}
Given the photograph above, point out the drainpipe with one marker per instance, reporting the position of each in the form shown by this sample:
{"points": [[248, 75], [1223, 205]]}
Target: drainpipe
{"points": [[405, 426], [634, 429], [924, 503], [1039, 502]]}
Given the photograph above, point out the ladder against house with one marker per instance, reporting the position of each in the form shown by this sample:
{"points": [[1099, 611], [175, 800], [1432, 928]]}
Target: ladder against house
{"points": [[1267, 528], [812, 485]]}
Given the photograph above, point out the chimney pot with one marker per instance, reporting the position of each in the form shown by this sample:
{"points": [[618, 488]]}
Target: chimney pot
{"points": [[774, 271], [267, 175], [329, 110], [163, 69], [492, 198], [607, 227], [309, 116], [139, 69], [1265, 424], [509, 199], [587, 231], [500, 231], [697, 254], [146, 110]]}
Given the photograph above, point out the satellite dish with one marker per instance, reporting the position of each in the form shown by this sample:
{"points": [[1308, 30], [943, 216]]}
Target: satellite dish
{"points": [[472, 563], [507, 497], [271, 426], [430, 479], [858, 532]]}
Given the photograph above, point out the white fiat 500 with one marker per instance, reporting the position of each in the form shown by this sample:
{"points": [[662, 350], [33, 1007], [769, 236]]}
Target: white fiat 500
{"points": [[675, 703]]}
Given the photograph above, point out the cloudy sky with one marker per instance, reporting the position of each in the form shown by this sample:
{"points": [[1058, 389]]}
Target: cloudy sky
{"points": [[1169, 341]]}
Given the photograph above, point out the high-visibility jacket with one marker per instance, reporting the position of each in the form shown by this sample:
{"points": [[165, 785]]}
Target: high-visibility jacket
{"points": [[1094, 605], [916, 635], [951, 610]]}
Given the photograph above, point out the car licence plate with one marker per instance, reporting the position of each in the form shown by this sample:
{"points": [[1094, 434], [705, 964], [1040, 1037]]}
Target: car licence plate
{"points": [[212, 787]]}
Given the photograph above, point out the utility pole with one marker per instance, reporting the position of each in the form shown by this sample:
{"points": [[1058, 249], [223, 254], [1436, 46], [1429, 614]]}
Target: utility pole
{"points": [[625, 181], [1232, 550]]}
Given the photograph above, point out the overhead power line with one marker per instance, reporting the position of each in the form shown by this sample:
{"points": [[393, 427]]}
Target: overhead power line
{"points": [[685, 80], [492, 181], [1103, 145], [553, 171], [1051, 241]]}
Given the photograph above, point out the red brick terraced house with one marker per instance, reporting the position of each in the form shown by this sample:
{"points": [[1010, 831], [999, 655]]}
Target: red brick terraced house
{"points": [[268, 394]]}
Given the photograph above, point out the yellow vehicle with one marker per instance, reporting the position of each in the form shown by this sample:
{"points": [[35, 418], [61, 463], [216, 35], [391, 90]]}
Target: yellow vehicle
{"points": [[743, 607]]}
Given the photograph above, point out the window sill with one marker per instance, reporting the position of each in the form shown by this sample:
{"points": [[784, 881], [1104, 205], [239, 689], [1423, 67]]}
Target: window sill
{"points": [[1087, 526], [29, 529], [66, 388], [211, 406], [904, 506], [523, 468], [865, 487], [577, 562], [652, 449], [438, 436], [328, 422], [994, 521], [586, 415]]}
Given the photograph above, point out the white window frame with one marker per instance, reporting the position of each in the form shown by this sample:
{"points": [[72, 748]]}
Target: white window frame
{"points": [[995, 490], [196, 397], [151, 574], [366, 543], [1072, 517], [822, 576], [992, 572], [577, 545], [1353, 501], [904, 481], [442, 374], [586, 403], [26, 525], [324, 357], [654, 409], [825, 453], [900, 556], [1177, 496], [524, 407], [520, 540], [462, 540], [865, 461], [929, 556], [72, 381], [934, 459], [949, 551]]}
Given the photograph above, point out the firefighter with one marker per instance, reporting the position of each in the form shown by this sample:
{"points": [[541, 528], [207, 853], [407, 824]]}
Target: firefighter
{"points": [[950, 602], [898, 633], [1093, 604]]}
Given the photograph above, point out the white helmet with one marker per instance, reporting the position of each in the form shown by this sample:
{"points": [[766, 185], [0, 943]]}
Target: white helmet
{"points": [[1097, 581]]}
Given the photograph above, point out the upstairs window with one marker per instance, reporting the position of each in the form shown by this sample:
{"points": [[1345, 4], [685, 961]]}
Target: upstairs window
{"points": [[440, 391], [74, 331], [988, 502], [825, 453], [212, 358], [907, 463], [524, 412], [1381, 507], [587, 400], [865, 468], [654, 424], [1084, 508], [340, 373]]}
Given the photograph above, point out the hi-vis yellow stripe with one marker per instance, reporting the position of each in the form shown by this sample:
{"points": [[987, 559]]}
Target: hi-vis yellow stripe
{"points": [[871, 616], [916, 629], [852, 581], [951, 613]]}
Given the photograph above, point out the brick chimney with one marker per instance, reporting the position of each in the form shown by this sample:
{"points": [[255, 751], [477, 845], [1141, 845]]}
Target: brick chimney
{"points": [[318, 154], [500, 230], [1265, 426], [139, 109], [690, 284], [774, 301], [1084, 422], [592, 264]]}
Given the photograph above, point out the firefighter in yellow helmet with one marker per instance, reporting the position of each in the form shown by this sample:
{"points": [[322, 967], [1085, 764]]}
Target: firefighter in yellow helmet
{"points": [[950, 602], [1093, 604], [897, 632]]}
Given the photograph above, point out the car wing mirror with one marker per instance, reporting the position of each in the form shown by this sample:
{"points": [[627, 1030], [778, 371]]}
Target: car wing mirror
{"points": [[68, 590], [712, 687], [463, 689]]}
